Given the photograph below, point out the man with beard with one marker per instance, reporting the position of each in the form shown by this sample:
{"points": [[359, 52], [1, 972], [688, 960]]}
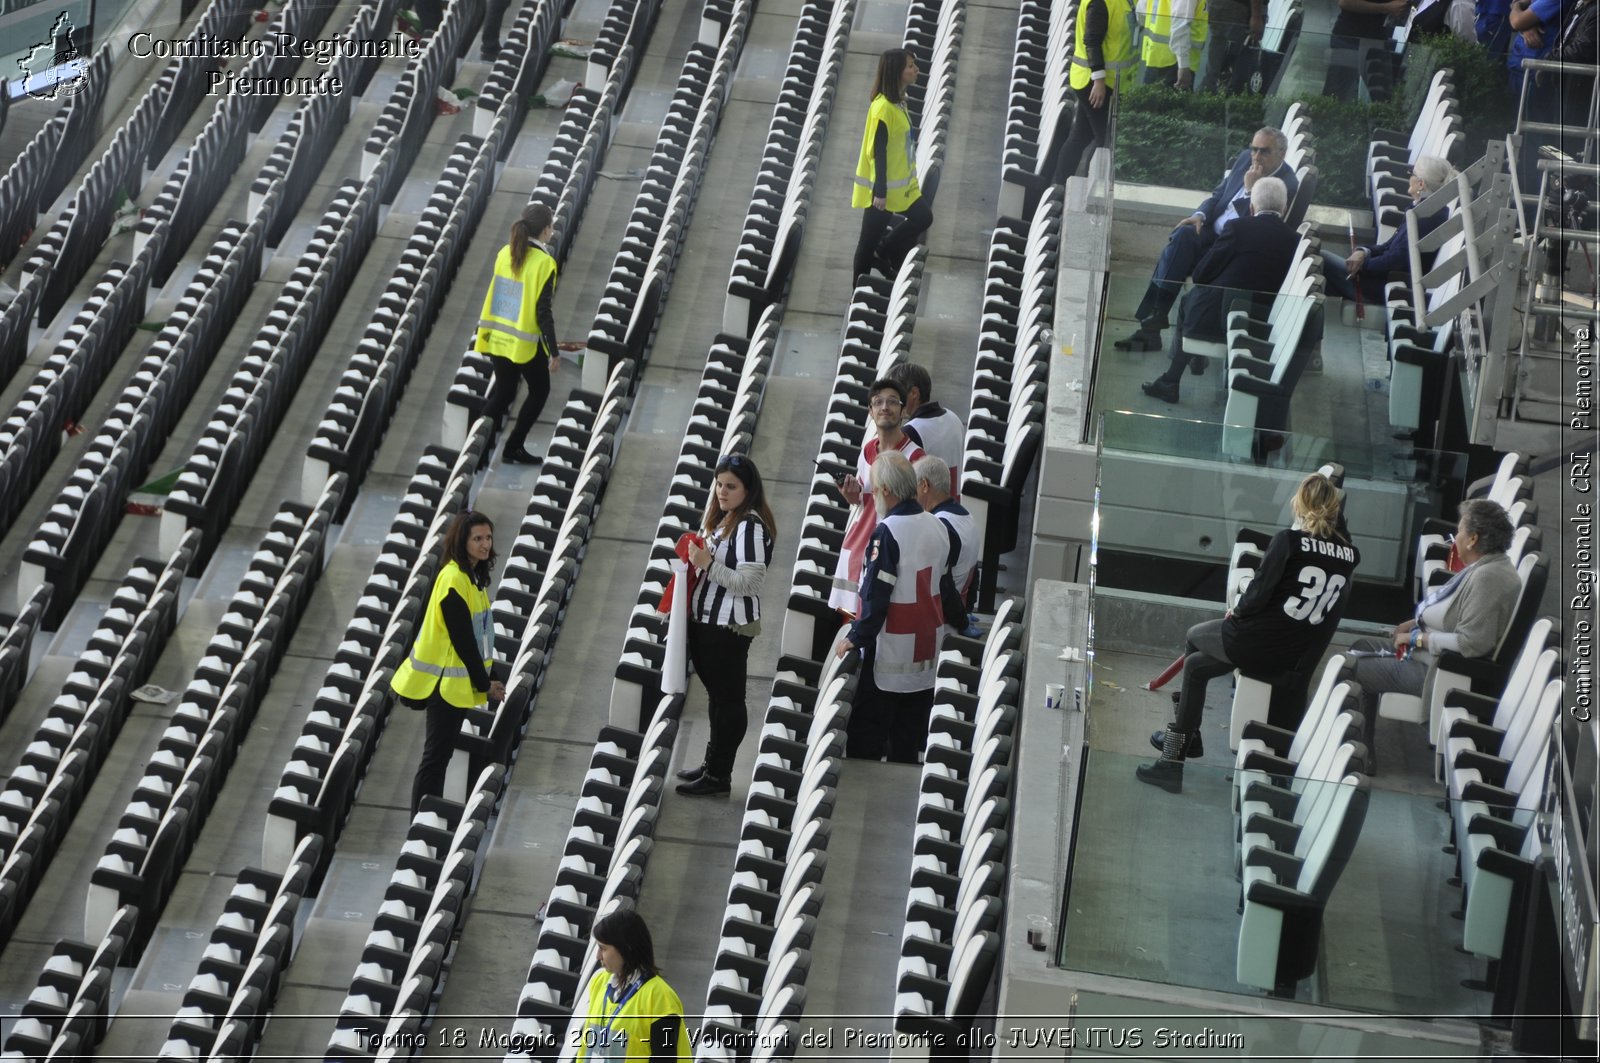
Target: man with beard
{"points": [[886, 405], [901, 621]]}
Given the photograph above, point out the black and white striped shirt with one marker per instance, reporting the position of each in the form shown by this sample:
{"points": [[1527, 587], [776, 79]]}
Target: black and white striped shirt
{"points": [[729, 592]]}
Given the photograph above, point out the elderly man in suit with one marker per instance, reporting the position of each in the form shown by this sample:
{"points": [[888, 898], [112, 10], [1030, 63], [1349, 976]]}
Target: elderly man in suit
{"points": [[1254, 255], [1194, 235]]}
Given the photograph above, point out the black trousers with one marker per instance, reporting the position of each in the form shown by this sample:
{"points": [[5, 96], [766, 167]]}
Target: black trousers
{"points": [[494, 13], [893, 249], [886, 721], [536, 373], [438, 743], [1204, 660], [1090, 126], [720, 659]]}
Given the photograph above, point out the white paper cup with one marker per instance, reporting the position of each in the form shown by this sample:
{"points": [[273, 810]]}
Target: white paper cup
{"points": [[1054, 695]]}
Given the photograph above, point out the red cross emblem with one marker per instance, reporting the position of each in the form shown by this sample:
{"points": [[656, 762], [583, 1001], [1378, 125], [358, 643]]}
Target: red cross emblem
{"points": [[905, 618]]}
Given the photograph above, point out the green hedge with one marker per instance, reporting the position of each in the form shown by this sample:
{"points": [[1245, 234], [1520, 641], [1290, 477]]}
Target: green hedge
{"points": [[1188, 140]]}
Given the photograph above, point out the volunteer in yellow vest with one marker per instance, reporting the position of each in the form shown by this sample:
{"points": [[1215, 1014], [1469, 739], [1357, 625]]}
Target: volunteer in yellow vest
{"points": [[1102, 66], [628, 1011], [448, 669], [886, 178], [517, 327], [1174, 37]]}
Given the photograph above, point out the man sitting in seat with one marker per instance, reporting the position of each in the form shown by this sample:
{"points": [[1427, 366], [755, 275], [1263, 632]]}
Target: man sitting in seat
{"points": [[1254, 255], [1367, 269], [1195, 234]]}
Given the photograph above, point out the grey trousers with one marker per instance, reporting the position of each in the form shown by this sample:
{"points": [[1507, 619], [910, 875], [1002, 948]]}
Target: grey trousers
{"points": [[1385, 674]]}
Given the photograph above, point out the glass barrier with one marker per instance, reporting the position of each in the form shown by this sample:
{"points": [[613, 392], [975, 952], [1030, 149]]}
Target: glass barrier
{"points": [[1331, 893], [1349, 87]]}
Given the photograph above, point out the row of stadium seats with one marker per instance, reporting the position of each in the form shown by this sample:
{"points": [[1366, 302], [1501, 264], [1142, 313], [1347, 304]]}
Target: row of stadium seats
{"points": [[1010, 374], [1436, 132], [210, 722], [185, 78], [89, 507], [757, 991], [769, 243], [516, 71], [408, 951], [933, 36], [65, 383], [1266, 356], [369, 390], [641, 274], [1299, 800], [16, 645], [1494, 753], [237, 435], [67, 1011], [61, 761], [315, 127], [954, 908], [228, 998], [399, 130], [1037, 101], [602, 867]]}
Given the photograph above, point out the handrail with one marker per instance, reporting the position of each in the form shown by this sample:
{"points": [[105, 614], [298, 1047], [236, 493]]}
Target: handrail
{"points": [[1562, 65]]}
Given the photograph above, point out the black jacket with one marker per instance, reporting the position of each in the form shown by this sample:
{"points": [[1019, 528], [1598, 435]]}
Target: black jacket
{"points": [[1253, 255]]}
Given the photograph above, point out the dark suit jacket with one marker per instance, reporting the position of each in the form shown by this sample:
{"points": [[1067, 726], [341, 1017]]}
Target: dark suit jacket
{"points": [[1231, 187], [1252, 255]]}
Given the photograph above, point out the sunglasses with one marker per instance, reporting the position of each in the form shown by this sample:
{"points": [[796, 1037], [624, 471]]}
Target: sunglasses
{"points": [[732, 461], [886, 404]]}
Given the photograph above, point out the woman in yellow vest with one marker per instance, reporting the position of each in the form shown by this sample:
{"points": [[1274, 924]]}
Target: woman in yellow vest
{"points": [[517, 327], [628, 1011], [886, 177], [449, 665], [1102, 65]]}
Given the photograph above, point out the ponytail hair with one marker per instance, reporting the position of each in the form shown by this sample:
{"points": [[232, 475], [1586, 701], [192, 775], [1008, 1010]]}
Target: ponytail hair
{"points": [[535, 219], [1316, 504]]}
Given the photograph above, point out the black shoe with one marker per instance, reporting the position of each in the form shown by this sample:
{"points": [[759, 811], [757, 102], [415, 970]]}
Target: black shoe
{"points": [[1144, 339], [1167, 774], [692, 774], [706, 786], [520, 456], [1198, 364], [1164, 390], [1193, 751], [489, 50]]}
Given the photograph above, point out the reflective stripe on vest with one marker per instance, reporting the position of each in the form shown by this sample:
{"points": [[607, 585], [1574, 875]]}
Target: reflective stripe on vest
{"points": [[433, 664], [900, 183], [508, 324], [1116, 51]]}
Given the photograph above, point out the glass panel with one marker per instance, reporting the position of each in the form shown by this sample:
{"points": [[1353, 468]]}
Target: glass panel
{"points": [[1350, 87], [1156, 887]]}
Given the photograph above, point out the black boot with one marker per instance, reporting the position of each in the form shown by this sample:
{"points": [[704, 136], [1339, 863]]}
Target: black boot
{"points": [[1194, 751], [692, 774], [706, 786], [1167, 772]]}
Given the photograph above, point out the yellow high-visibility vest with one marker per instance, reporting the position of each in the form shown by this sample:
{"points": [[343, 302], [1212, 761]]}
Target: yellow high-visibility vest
{"points": [[1116, 51], [900, 182], [433, 662], [508, 326], [1158, 33]]}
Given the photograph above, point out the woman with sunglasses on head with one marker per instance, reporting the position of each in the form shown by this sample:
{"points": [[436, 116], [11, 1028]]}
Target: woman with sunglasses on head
{"points": [[725, 611], [448, 669], [886, 177]]}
